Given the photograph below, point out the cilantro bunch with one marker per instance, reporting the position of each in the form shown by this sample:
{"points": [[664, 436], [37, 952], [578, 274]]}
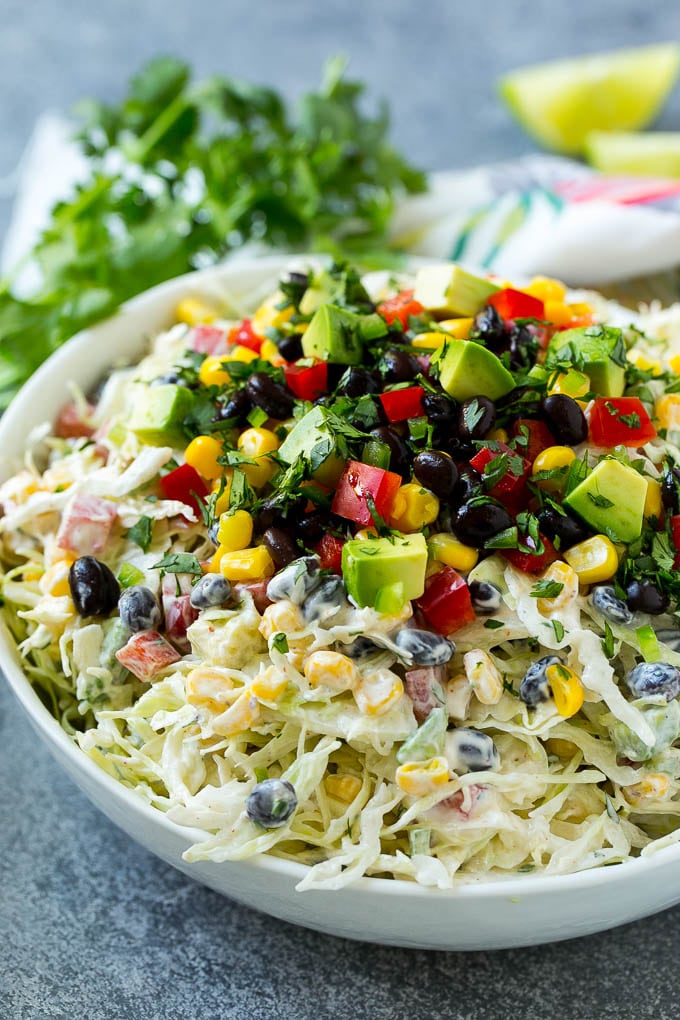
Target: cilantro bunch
{"points": [[181, 173]]}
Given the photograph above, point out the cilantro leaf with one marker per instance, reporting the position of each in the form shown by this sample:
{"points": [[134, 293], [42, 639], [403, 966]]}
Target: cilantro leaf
{"points": [[140, 533], [545, 589], [179, 563]]}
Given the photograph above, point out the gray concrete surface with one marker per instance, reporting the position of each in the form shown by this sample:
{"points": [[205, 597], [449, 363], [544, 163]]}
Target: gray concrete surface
{"points": [[91, 926]]}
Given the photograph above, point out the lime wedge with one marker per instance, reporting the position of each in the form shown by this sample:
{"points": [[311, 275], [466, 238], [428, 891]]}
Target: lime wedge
{"points": [[655, 154], [559, 103]]}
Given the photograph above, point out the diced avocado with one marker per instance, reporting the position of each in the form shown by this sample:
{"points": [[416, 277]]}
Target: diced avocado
{"points": [[451, 290], [376, 563], [466, 369], [337, 285], [312, 439], [158, 415], [333, 335], [611, 500], [599, 351]]}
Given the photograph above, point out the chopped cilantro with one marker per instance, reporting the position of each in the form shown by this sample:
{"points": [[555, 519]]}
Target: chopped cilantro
{"points": [[545, 589], [559, 630], [179, 563], [140, 533], [280, 642]]}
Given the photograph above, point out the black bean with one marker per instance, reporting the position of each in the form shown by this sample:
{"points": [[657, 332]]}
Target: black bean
{"points": [[400, 454], [169, 378], [440, 409], [565, 418], [654, 679], [271, 803], [312, 527], [522, 347], [398, 366], [276, 511], [476, 418], [437, 472], [491, 329], [486, 597], [273, 398], [290, 347], [293, 279], [469, 484], [325, 600], [360, 648], [563, 527], [296, 581], [94, 589], [614, 609], [138, 608], [424, 648], [534, 686], [469, 750], [356, 381], [646, 597], [280, 546], [476, 522], [238, 406], [670, 489], [210, 590]]}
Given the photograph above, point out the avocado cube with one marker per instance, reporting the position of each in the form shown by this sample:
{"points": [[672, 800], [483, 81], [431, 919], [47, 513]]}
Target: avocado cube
{"points": [[158, 415], [451, 290], [611, 500], [378, 563], [466, 369], [334, 335], [597, 351]]}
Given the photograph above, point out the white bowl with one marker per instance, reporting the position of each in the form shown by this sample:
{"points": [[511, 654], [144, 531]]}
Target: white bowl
{"points": [[475, 915]]}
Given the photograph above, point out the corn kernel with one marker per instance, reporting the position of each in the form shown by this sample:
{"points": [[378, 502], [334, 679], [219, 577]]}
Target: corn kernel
{"points": [[667, 412], [460, 329], [554, 458], [212, 371], [222, 503], [674, 363], [594, 560], [644, 362], [447, 549], [235, 531], [270, 352], [377, 692], [422, 777], [546, 289], [573, 383], [209, 688], [343, 787], [247, 564], [202, 453], [194, 311], [557, 312], [653, 503], [567, 689], [654, 786], [565, 575], [55, 580], [241, 353], [413, 508], [282, 617], [268, 316], [255, 443], [240, 717], [428, 341], [331, 669], [499, 436], [560, 747], [269, 685], [483, 676]]}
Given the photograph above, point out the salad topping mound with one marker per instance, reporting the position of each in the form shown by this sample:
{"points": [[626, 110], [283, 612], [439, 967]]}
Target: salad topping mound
{"points": [[381, 578]]}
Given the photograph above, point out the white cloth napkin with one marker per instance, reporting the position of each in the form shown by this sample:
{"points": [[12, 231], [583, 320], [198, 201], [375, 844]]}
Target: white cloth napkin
{"points": [[539, 214]]}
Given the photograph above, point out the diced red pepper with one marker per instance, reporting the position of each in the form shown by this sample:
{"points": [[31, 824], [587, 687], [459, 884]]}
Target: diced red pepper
{"points": [[675, 530], [208, 340], [620, 420], [539, 437], [329, 551], [446, 603], [70, 424], [455, 802], [578, 322], [515, 304], [402, 404], [244, 336], [530, 563], [86, 524], [419, 685], [307, 382], [511, 489], [179, 613], [146, 654], [258, 590], [184, 484], [400, 307], [360, 484]]}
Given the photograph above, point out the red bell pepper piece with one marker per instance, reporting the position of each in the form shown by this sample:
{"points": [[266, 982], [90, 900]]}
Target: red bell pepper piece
{"points": [[511, 489], [400, 307], [358, 485], [620, 420], [539, 437], [402, 404], [307, 381], [446, 603], [146, 654], [70, 424], [184, 484], [329, 551], [208, 340], [244, 336], [515, 304], [530, 563], [675, 530]]}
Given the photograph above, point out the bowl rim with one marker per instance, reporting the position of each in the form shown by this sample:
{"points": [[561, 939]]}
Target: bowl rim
{"points": [[58, 740]]}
